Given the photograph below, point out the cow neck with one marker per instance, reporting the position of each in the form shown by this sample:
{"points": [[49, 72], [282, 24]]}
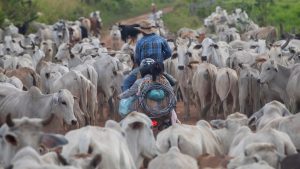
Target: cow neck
{"points": [[282, 77], [50, 100]]}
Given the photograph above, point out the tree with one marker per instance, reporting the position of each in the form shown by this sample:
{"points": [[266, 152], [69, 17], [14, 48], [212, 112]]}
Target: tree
{"points": [[262, 8], [19, 12]]}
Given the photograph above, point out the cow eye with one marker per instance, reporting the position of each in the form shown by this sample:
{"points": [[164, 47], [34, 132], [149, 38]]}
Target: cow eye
{"points": [[252, 47], [268, 68], [64, 103]]}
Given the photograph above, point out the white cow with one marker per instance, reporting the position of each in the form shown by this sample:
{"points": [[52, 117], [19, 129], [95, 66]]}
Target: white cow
{"points": [[227, 129], [34, 104], [191, 140], [92, 140], [245, 137], [115, 35], [173, 159], [47, 46], [203, 86], [13, 81], [227, 85], [139, 136], [251, 163], [262, 151], [80, 87], [110, 77], [249, 89], [275, 115], [212, 54], [19, 133], [267, 113], [28, 158], [183, 68], [283, 80]]}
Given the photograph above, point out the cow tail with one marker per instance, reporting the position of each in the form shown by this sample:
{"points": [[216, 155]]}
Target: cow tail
{"points": [[83, 100], [229, 88], [35, 79], [212, 82]]}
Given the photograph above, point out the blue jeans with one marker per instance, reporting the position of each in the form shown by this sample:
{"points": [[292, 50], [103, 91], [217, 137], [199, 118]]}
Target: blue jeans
{"points": [[131, 78]]}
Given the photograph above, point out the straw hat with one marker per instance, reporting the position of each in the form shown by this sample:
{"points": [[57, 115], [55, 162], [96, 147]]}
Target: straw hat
{"points": [[146, 27]]}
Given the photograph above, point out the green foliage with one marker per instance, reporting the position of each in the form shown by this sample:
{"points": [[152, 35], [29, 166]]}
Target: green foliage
{"points": [[17, 11], [263, 12]]}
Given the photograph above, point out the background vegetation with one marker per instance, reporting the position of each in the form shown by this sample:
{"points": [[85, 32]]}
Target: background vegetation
{"points": [[188, 13]]}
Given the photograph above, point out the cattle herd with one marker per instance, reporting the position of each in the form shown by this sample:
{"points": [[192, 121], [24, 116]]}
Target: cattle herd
{"points": [[60, 79]]}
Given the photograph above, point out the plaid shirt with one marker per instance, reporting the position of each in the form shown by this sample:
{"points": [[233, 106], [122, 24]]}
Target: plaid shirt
{"points": [[152, 46]]}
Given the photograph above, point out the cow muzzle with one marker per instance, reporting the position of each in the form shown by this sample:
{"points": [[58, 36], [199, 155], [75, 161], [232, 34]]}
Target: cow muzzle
{"points": [[73, 122], [180, 67], [259, 81], [204, 58]]}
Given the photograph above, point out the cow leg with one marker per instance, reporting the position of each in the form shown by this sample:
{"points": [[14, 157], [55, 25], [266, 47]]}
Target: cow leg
{"points": [[186, 104], [101, 106], [225, 108], [204, 107], [198, 105], [242, 101], [111, 108]]}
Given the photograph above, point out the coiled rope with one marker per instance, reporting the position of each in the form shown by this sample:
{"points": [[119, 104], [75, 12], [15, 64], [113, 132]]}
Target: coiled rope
{"points": [[154, 111]]}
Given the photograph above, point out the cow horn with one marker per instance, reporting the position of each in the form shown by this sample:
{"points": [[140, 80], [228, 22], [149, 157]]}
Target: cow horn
{"points": [[190, 42], [175, 42], [48, 120], [20, 43], [32, 45], [287, 42], [9, 121], [80, 50]]}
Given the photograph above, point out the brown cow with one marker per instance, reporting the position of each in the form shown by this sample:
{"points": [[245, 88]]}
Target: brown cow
{"points": [[209, 161], [28, 76]]}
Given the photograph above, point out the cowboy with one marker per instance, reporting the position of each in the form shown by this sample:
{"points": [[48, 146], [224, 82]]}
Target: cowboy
{"points": [[151, 46]]}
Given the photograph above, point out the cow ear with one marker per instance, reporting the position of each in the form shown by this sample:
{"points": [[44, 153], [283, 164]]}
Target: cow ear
{"points": [[215, 46], [241, 65], [115, 72], [96, 160], [53, 140], [218, 123], [189, 54], [9, 167], [246, 153], [257, 60], [197, 46], [136, 125], [11, 138], [174, 56]]}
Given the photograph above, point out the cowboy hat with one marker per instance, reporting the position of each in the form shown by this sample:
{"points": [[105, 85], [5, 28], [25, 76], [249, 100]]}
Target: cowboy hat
{"points": [[146, 27]]}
